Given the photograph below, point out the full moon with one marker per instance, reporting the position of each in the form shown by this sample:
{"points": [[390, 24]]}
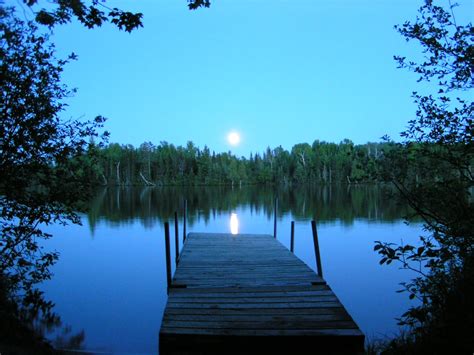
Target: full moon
{"points": [[233, 138]]}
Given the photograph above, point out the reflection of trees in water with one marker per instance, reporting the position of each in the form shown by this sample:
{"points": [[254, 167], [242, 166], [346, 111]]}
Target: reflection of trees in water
{"points": [[344, 203], [325, 203], [29, 337], [66, 340]]}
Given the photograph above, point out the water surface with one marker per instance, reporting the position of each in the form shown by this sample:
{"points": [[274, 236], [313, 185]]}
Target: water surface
{"points": [[110, 280]]}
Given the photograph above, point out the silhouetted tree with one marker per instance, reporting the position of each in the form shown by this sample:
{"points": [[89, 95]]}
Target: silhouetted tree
{"points": [[90, 14], [46, 165], [439, 144]]}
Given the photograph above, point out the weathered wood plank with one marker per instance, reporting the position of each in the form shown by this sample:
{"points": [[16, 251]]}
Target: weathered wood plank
{"points": [[242, 278], [270, 324], [277, 312], [257, 318], [236, 283], [288, 305], [336, 332], [258, 289], [267, 300], [272, 295]]}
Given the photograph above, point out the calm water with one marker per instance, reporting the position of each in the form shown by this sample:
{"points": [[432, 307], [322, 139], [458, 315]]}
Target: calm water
{"points": [[110, 281]]}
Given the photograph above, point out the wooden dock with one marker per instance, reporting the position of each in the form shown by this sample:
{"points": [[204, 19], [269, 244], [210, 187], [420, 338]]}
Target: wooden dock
{"points": [[248, 294]]}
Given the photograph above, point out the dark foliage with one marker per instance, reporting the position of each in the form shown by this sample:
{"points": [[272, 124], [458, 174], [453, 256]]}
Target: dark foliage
{"points": [[439, 142], [90, 15], [196, 4], [45, 167]]}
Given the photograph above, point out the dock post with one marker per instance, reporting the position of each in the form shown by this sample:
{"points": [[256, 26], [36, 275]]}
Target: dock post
{"points": [[275, 218], [168, 256], [316, 248], [185, 212], [292, 243], [176, 236]]}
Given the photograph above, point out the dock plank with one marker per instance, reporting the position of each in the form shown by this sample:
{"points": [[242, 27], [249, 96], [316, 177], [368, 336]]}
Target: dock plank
{"points": [[237, 293]]}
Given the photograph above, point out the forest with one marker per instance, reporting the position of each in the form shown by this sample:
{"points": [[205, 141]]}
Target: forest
{"points": [[167, 164]]}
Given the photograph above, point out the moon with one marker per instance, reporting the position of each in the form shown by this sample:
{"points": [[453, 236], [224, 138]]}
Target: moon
{"points": [[233, 138]]}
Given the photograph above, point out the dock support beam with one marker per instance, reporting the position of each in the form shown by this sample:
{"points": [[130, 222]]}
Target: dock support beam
{"points": [[292, 242], [176, 237], [316, 248], [168, 256], [275, 218], [185, 212]]}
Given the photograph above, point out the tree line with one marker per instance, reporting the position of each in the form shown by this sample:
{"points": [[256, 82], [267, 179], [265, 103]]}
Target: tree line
{"points": [[167, 164]]}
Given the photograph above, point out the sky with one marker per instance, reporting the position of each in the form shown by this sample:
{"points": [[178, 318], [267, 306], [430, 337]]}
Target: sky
{"points": [[277, 72]]}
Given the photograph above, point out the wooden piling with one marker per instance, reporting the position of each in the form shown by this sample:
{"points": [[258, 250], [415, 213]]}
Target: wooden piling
{"points": [[176, 237], [316, 248], [292, 242], [275, 218], [168, 256], [185, 212]]}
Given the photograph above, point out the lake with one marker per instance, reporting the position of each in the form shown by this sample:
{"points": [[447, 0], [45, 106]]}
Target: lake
{"points": [[110, 280]]}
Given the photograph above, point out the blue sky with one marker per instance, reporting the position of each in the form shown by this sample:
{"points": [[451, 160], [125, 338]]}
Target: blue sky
{"points": [[278, 72]]}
